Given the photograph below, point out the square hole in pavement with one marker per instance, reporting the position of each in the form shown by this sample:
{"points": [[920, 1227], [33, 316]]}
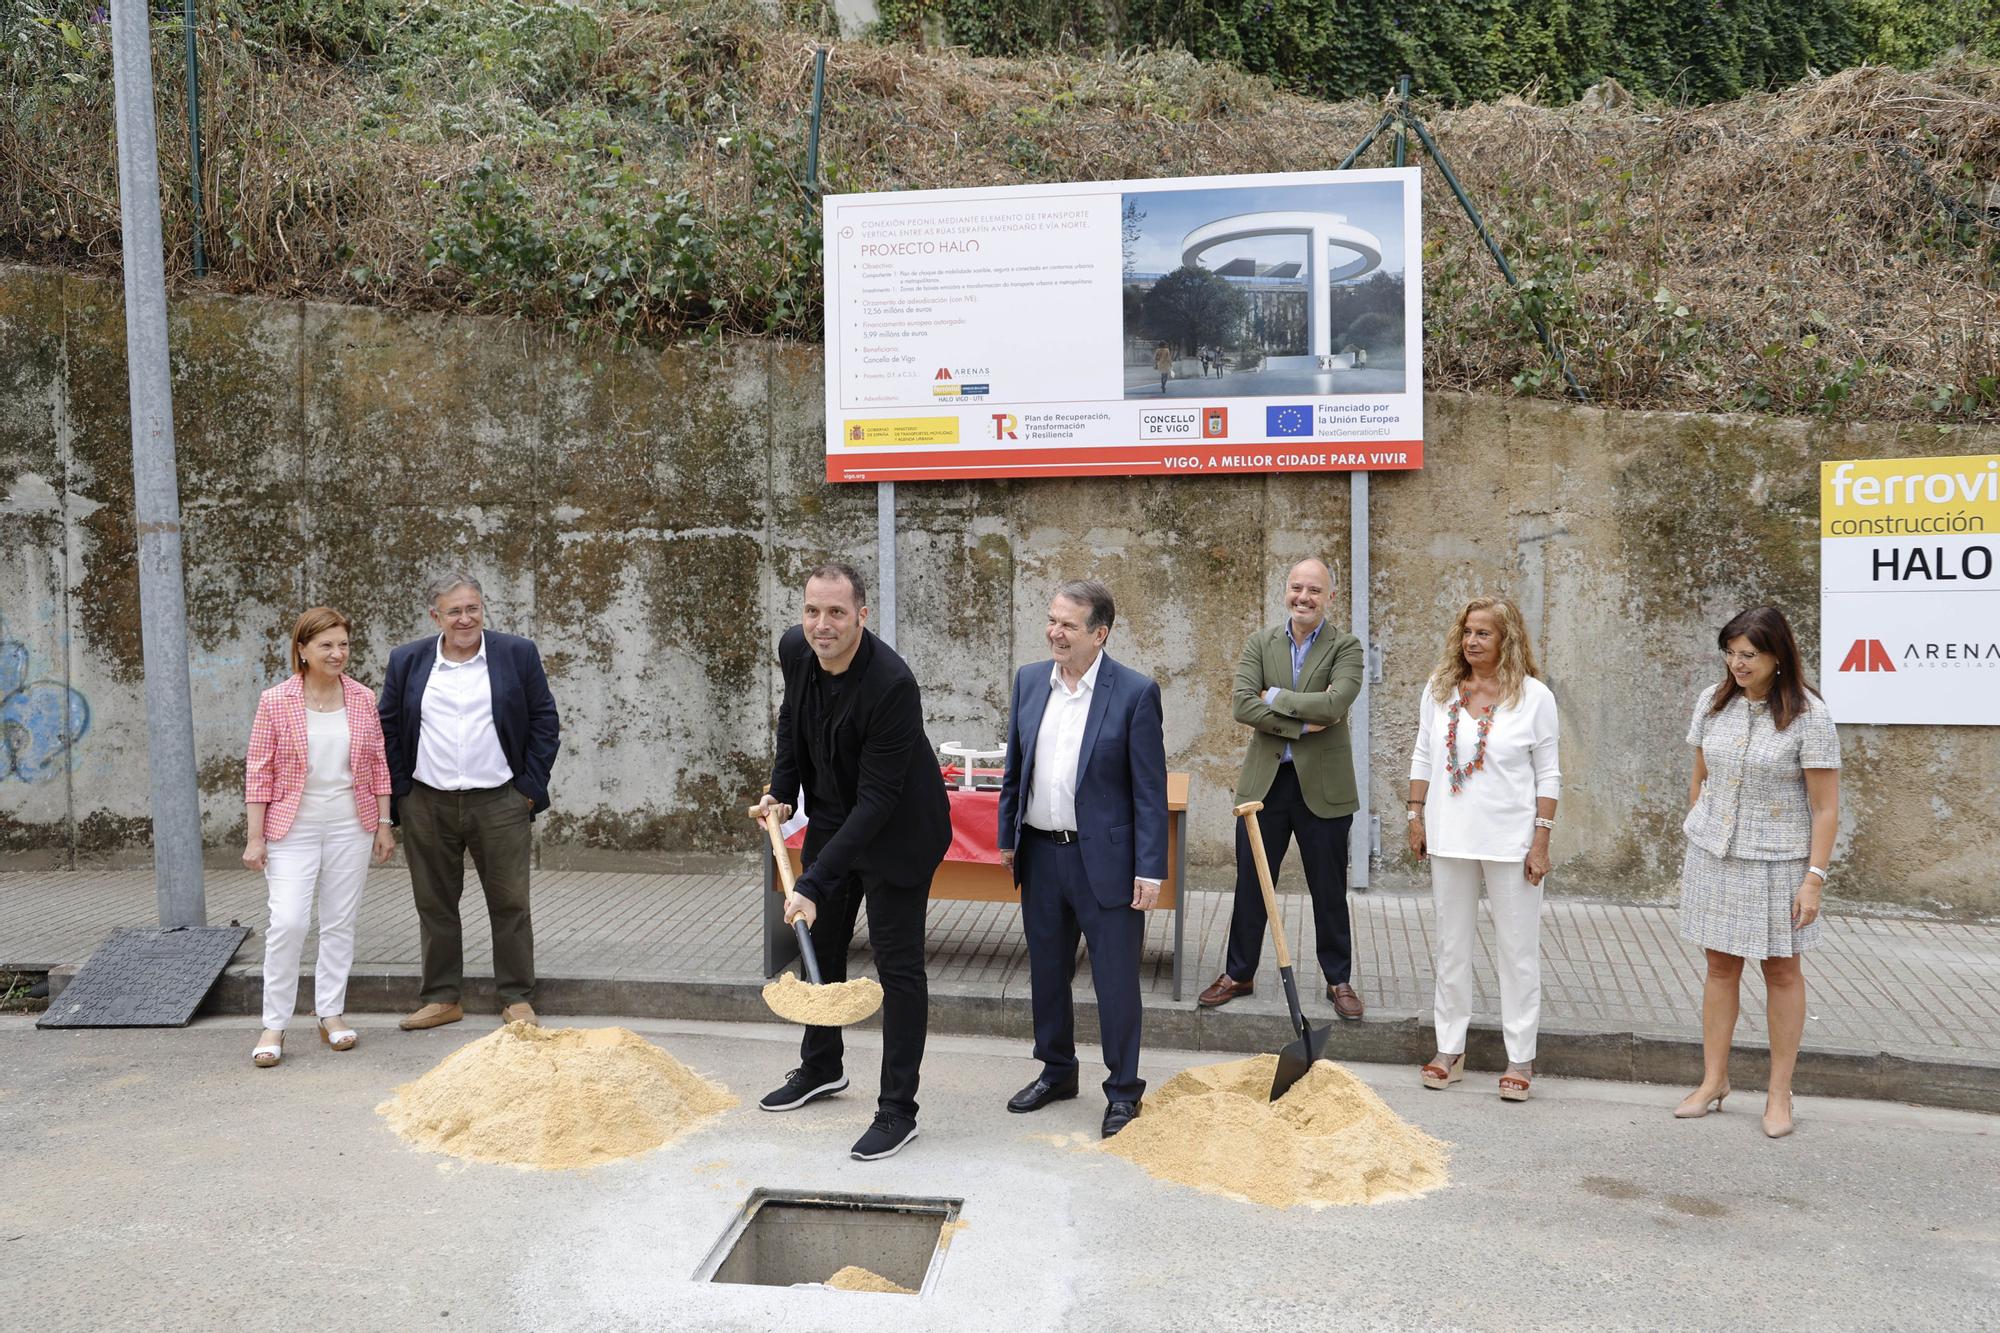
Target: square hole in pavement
{"points": [[782, 1238]]}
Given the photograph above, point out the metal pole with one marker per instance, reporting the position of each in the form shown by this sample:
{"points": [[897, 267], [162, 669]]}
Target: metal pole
{"points": [[884, 614], [812, 131], [1366, 140], [1402, 119], [1360, 837], [194, 138], [1363, 838], [155, 492]]}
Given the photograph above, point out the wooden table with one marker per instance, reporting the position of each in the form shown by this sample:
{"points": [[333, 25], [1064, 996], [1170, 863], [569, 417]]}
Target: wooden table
{"points": [[988, 882]]}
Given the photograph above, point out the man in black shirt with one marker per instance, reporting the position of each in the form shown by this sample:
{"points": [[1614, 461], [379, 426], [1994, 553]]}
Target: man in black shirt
{"points": [[851, 736]]}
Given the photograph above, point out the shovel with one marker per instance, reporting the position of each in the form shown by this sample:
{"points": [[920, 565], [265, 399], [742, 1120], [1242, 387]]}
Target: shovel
{"points": [[1297, 1057], [807, 955]]}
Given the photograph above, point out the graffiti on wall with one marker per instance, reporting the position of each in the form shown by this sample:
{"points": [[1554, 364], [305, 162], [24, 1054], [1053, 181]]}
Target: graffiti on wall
{"points": [[41, 721]]}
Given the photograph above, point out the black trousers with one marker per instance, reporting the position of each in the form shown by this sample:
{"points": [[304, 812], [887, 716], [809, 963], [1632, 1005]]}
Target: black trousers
{"points": [[896, 930], [1323, 852], [1056, 907]]}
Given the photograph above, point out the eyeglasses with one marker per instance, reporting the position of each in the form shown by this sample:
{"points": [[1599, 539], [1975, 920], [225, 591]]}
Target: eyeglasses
{"points": [[472, 612]]}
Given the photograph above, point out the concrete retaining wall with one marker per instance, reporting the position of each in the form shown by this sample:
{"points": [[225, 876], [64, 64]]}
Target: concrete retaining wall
{"points": [[646, 517]]}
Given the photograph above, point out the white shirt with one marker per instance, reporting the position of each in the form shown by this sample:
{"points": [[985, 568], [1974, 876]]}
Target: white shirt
{"points": [[329, 793], [1059, 751], [457, 746], [1058, 748], [1492, 817]]}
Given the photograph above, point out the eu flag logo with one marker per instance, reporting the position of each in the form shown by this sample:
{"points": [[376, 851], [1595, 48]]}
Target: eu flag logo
{"points": [[1292, 419]]}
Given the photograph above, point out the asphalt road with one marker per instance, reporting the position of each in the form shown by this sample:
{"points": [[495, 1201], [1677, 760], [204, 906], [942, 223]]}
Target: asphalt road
{"points": [[154, 1179]]}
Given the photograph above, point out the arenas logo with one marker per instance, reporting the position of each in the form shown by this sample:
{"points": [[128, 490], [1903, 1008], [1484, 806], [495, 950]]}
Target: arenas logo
{"points": [[1869, 655], [945, 385]]}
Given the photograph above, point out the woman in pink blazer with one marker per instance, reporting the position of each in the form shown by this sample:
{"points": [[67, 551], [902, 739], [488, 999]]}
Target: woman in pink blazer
{"points": [[316, 797]]}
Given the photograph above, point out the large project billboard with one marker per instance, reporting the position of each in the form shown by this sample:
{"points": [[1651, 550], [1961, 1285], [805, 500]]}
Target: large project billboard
{"points": [[1264, 323]]}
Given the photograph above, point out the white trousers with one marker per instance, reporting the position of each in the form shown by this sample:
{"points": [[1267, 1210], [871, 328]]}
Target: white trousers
{"points": [[1517, 927], [331, 856]]}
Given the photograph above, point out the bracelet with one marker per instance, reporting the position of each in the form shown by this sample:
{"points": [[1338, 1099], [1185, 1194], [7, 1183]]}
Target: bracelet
{"points": [[1544, 823], [1815, 870]]}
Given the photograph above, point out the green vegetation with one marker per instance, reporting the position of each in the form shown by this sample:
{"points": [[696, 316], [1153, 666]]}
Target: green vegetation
{"points": [[636, 170], [1477, 50]]}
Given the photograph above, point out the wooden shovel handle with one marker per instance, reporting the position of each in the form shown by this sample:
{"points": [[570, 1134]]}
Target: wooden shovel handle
{"points": [[1247, 812], [778, 849]]}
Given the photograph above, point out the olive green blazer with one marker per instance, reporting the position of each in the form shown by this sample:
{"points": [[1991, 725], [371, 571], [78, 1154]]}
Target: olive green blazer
{"points": [[1329, 683]]}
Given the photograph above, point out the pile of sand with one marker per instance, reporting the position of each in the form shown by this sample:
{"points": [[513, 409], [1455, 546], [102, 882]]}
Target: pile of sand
{"points": [[835, 1004], [1329, 1140], [553, 1099], [855, 1278]]}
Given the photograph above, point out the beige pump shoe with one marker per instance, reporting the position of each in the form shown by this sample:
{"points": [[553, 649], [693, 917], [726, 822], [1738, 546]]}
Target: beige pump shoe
{"points": [[1690, 1109]]}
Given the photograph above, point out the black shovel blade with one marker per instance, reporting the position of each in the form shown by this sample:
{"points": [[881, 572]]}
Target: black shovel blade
{"points": [[1297, 1058]]}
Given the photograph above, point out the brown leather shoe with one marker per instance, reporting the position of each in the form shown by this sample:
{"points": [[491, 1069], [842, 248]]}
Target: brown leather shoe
{"points": [[520, 1013], [432, 1016], [1223, 991], [1345, 1002]]}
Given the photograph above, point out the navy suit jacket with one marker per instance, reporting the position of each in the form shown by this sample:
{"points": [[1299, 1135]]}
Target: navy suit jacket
{"points": [[524, 714], [1121, 777]]}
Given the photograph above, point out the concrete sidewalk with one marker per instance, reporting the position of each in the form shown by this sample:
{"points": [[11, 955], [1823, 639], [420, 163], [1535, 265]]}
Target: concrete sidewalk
{"points": [[1901, 1009]]}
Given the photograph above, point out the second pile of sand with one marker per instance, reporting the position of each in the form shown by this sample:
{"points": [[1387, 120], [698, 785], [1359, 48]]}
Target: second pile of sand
{"points": [[1329, 1140], [553, 1098]]}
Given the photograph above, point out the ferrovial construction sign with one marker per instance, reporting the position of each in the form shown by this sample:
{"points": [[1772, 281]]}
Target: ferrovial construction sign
{"points": [[1909, 591]]}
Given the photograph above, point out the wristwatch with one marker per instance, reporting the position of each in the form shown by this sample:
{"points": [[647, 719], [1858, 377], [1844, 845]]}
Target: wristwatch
{"points": [[1410, 815]]}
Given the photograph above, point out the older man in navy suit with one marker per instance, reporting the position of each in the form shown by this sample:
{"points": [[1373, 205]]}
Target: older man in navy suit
{"points": [[471, 732], [1083, 823]]}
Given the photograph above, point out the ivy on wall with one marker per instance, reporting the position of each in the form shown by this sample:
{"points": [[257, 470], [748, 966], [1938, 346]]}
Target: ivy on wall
{"points": [[1692, 51]]}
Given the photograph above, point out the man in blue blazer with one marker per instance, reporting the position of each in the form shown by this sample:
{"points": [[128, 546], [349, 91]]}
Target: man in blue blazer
{"points": [[1083, 823], [471, 733]]}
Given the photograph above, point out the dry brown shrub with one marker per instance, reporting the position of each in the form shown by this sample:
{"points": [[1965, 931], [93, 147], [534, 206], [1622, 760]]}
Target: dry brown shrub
{"points": [[1826, 243]]}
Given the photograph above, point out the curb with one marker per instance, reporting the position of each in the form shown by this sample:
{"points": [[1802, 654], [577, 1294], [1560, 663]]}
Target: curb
{"points": [[1384, 1037]]}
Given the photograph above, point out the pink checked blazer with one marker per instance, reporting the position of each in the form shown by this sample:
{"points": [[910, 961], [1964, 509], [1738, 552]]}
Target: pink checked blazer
{"points": [[274, 771]]}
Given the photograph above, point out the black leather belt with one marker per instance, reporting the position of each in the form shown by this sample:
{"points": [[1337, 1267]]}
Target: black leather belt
{"points": [[1062, 838]]}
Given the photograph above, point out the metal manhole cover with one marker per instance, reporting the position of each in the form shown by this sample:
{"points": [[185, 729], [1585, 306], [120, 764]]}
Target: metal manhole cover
{"points": [[145, 978]]}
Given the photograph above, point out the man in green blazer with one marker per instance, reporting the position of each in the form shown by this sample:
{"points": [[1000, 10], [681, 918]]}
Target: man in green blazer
{"points": [[1294, 686]]}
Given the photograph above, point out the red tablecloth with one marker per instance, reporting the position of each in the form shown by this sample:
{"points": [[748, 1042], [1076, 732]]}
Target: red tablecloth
{"points": [[975, 823]]}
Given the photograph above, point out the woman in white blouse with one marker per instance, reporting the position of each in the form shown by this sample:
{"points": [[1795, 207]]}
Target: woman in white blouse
{"points": [[1483, 789]]}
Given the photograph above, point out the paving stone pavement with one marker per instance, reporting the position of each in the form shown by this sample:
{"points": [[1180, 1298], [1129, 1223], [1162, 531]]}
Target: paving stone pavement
{"points": [[1919, 989]]}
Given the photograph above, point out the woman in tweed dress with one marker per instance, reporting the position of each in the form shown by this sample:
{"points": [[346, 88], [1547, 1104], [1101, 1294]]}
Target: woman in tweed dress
{"points": [[1765, 805]]}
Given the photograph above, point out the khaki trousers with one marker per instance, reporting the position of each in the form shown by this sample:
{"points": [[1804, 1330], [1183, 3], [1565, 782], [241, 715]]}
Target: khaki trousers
{"points": [[439, 828]]}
